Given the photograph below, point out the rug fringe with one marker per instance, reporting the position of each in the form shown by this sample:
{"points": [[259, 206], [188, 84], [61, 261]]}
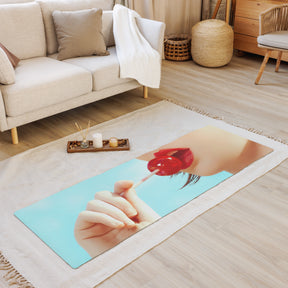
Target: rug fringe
{"points": [[210, 115], [12, 276]]}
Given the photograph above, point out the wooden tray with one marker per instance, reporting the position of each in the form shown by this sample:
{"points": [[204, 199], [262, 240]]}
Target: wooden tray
{"points": [[74, 146]]}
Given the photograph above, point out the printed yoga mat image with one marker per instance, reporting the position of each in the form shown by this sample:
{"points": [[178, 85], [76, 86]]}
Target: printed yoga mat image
{"points": [[91, 217]]}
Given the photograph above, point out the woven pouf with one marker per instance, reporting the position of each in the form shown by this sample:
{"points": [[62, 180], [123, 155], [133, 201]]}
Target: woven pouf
{"points": [[212, 43]]}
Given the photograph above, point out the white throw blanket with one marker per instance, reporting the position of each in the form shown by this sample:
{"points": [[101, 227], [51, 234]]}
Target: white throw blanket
{"points": [[138, 60]]}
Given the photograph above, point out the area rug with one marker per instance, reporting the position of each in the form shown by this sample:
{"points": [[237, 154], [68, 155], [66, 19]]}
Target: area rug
{"points": [[46, 171]]}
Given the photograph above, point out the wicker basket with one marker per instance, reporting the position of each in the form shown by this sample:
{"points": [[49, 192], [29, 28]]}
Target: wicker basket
{"points": [[177, 47]]}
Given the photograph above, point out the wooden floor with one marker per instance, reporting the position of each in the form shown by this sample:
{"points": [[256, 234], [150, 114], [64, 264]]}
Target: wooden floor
{"points": [[241, 243]]}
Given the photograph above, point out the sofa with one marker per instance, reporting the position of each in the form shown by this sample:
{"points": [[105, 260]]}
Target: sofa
{"points": [[44, 85]]}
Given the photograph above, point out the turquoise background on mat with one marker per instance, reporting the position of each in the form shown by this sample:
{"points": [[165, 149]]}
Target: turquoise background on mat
{"points": [[52, 219]]}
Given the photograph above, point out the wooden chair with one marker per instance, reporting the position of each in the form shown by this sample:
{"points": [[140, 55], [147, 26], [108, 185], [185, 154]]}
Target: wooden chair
{"points": [[273, 34], [228, 7]]}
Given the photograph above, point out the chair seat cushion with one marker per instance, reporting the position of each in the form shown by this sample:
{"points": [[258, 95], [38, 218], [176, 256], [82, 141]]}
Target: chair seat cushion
{"points": [[277, 39], [42, 81], [105, 69]]}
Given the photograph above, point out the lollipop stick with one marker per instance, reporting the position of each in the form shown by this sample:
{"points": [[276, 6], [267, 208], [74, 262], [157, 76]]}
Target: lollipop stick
{"points": [[145, 178]]}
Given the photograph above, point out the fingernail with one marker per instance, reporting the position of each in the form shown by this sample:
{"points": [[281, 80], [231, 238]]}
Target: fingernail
{"points": [[118, 224], [132, 212], [130, 223]]}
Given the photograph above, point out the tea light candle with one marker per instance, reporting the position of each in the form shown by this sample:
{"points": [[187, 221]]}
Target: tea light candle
{"points": [[97, 140], [113, 142]]}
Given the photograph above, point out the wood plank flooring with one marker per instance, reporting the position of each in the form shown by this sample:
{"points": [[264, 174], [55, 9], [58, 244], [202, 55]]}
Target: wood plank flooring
{"points": [[63, 124], [241, 243]]}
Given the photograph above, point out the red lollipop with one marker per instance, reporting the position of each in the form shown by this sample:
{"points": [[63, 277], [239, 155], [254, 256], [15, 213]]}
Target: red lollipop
{"points": [[166, 165], [170, 161]]}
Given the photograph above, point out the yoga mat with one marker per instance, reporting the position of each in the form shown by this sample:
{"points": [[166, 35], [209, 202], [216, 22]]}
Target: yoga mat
{"points": [[39, 173]]}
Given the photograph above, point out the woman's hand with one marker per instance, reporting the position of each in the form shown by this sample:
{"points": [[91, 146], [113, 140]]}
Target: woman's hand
{"points": [[111, 218]]}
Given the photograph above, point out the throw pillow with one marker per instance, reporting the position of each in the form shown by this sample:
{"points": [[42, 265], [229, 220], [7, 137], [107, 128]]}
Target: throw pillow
{"points": [[12, 58], [7, 73], [79, 33]]}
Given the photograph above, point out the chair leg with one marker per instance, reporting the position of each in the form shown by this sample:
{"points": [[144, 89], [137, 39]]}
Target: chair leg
{"points": [[265, 60], [216, 9], [145, 92], [227, 14], [278, 61], [14, 135]]}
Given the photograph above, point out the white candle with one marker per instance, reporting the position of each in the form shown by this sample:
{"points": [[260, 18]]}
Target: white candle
{"points": [[97, 140]]}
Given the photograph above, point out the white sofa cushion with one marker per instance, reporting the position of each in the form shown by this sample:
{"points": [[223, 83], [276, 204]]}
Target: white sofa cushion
{"points": [[277, 39], [107, 28], [105, 69], [48, 6], [43, 81], [7, 73], [22, 30]]}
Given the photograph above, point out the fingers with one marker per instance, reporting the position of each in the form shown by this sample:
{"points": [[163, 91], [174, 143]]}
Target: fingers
{"points": [[114, 210], [145, 212], [117, 201], [96, 217], [122, 186], [100, 206]]}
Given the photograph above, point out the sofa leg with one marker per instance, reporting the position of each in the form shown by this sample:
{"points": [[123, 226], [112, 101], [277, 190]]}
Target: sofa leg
{"points": [[14, 135], [145, 92]]}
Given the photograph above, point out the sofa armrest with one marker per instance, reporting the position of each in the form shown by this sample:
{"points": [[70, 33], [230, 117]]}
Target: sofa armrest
{"points": [[3, 121], [153, 31]]}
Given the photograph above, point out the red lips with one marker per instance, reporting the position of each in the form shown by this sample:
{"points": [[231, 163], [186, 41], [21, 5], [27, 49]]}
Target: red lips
{"points": [[170, 161]]}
